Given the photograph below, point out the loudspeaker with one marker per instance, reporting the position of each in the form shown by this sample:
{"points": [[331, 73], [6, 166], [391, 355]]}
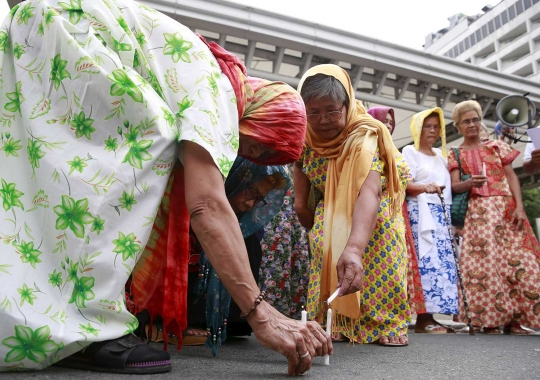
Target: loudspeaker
{"points": [[516, 111]]}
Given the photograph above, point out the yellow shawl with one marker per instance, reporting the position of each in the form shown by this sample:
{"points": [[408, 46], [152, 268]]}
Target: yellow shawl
{"points": [[351, 154], [417, 122]]}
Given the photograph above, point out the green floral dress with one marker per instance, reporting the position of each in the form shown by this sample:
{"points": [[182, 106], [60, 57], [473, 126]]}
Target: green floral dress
{"points": [[94, 96]]}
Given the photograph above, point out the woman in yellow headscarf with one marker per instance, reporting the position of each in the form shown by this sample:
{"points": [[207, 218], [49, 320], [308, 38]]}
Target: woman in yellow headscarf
{"points": [[433, 243], [357, 233]]}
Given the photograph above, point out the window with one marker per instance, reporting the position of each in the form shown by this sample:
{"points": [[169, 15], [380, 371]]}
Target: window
{"points": [[462, 47], [497, 22], [519, 7], [478, 35], [467, 43], [504, 17], [511, 12], [491, 26], [527, 3], [456, 51], [473, 39], [485, 31]]}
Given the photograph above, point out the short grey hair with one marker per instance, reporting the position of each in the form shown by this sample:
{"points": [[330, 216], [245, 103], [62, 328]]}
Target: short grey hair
{"points": [[321, 86]]}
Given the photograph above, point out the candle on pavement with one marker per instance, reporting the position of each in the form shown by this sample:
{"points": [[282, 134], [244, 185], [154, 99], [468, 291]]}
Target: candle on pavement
{"points": [[329, 332]]}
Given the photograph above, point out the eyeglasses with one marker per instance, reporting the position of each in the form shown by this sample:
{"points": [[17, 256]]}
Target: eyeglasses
{"points": [[429, 127], [331, 116], [468, 122], [252, 193]]}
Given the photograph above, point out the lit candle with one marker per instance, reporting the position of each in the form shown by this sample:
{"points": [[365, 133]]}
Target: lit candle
{"points": [[483, 168], [304, 316], [329, 332]]}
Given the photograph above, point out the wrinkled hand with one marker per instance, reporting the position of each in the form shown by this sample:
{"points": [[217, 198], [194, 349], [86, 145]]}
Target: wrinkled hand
{"points": [[478, 180], [306, 218], [433, 188], [350, 271], [535, 156], [289, 337], [518, 217]]}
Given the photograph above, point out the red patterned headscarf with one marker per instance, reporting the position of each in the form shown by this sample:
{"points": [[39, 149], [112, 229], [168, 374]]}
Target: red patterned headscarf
{"points": [[271, 113]]}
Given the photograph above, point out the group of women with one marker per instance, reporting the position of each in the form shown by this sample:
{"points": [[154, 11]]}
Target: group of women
{"points": [[129, 131]]}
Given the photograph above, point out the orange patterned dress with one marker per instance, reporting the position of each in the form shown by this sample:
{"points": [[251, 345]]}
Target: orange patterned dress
{"points": [[500, 266]]}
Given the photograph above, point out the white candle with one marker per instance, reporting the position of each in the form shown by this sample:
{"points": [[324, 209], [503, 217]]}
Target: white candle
{"points": [[329, 332], [304, 316], [483, 168], [333, 296]]}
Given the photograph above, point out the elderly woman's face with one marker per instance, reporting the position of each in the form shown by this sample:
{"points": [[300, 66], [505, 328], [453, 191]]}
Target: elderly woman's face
{"points": [[249, 148], [251, 197], [470, 124], [431, 129], [326, 117]]}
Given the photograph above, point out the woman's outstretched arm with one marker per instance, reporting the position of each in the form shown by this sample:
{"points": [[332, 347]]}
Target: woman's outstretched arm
{"points": [[350, 269], [216, 227]]}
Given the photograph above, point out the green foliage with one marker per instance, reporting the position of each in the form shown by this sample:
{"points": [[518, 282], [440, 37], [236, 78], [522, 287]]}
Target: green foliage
{"points": [[531, 203]]}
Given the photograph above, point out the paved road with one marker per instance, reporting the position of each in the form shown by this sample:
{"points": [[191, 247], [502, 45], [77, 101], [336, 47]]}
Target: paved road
{"points": [[450, 356]]}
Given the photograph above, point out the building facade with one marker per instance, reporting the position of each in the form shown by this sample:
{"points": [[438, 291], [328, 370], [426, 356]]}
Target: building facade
{"points": [[505, 38]]}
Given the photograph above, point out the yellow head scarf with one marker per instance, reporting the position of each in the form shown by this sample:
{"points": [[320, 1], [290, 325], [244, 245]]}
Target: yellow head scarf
{"points": [[417, 122], [351, 154]]}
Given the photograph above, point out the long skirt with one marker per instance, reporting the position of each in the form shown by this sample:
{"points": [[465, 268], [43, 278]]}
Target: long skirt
{"points": [[414, 284], [438, 266], [499, 265], [384, 310], [285, 261]]}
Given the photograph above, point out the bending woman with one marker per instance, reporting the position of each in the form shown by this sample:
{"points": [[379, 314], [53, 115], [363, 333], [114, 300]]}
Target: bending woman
{"points": [[351, 159], [500, 256], [255, 194], [91, 144], [433, 243]]}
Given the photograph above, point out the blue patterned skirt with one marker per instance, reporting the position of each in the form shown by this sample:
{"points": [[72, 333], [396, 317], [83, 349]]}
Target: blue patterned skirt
{"points": [[438, 267]]}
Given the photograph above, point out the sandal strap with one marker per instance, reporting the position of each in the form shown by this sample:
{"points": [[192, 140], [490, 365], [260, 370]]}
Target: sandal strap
{"points": [[448, 329]]}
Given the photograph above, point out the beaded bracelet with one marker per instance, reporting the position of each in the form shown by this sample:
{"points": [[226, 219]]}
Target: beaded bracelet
{"points": [[258, 300]]}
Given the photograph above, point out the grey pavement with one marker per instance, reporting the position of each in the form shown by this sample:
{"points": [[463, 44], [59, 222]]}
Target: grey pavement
{"points": [[428, 356]]}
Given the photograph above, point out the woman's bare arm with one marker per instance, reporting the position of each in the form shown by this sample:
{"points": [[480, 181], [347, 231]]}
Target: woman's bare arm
{"points": [[216, 227], [513, 181], [350, 269]]}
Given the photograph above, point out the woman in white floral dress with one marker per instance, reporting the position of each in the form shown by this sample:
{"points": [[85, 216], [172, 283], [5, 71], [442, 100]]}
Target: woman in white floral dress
{"points": [[94, 96]]}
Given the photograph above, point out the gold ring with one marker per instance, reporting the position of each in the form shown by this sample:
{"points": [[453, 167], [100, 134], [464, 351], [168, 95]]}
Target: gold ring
{"points": [[305, 355]]}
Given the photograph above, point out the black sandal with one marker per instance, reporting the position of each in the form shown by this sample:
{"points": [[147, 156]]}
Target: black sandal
{"points": [[127, 355]]}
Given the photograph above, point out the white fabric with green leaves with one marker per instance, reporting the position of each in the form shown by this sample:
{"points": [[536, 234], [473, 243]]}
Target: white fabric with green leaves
{"points": [[94, 97]]}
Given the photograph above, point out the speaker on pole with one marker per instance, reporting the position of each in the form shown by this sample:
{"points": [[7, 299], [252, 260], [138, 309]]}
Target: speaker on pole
{"points": [[516, 111]]}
